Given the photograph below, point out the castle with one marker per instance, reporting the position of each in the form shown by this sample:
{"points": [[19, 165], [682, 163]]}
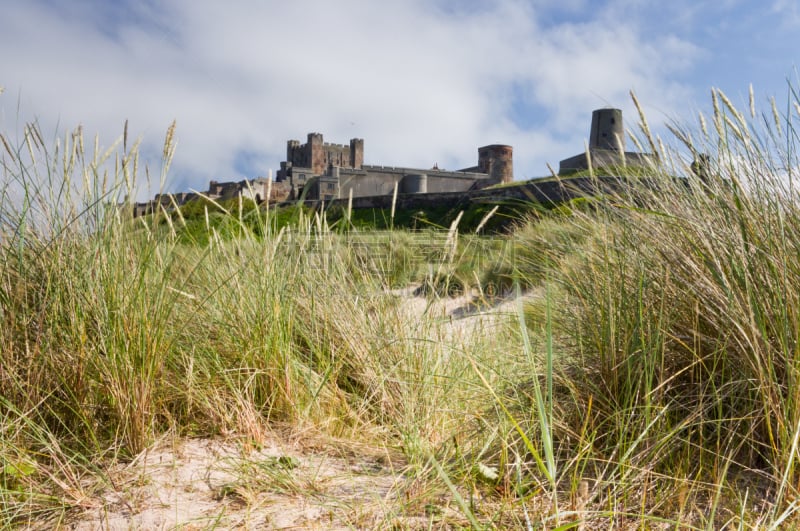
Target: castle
{"points": [[320, 171]]}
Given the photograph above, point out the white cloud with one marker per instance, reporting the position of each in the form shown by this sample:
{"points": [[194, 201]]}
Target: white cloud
{"points": [[421, 82], [789, 12]]}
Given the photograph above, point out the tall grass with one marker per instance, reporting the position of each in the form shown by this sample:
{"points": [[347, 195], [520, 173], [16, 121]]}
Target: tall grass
{"points": [[116, 331], [677, 331], [651, 378]]}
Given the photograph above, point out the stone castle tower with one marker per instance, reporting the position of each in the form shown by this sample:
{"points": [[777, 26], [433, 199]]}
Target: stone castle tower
{"points": [[607, 131], [606, 146], [497, 160], [318, 155]]}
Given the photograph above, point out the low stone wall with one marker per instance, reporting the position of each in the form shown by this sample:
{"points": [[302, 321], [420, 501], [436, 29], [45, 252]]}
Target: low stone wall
{"points": [[544, 192]]}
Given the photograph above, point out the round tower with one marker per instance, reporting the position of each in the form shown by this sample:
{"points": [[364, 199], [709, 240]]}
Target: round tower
{"points": [[497, 160], [607, 131], [414, 183]]}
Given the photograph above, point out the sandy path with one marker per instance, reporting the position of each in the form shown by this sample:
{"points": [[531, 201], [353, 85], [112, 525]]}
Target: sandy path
{"points": [[287, 482], [199, 484]]}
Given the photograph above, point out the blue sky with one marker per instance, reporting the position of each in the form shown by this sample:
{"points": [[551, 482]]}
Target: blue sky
{"points": [[422, 81]]}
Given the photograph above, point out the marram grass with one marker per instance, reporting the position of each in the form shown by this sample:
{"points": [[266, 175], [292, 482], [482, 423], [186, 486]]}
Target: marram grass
{"points": [[116, 331], [648, 379], [678, 332]]}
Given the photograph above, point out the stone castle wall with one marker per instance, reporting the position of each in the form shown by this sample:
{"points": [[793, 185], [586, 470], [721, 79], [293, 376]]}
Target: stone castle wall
{"points": [[544, 192]]}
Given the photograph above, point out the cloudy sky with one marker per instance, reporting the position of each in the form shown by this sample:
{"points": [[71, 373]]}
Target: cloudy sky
{"points": [[422, 81]]}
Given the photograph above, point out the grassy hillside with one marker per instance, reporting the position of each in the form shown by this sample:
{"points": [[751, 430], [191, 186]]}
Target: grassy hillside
{"points": [[649, 377], [198, 216], [470, 216]]}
